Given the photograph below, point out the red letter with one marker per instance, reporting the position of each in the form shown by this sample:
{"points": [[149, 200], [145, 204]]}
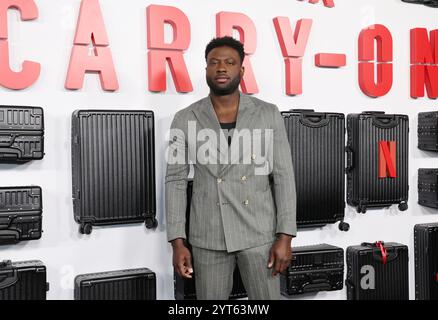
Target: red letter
{"points": [[226, 22], [327, 3], [424, 63], [160, 52], [91, 29], [293, 47], [367, 38], [30, 70], [387, 159]]}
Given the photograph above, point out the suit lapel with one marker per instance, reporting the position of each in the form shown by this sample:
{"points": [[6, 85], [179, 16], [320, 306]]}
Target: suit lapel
{"points": [[245, 118], [207, 118]]}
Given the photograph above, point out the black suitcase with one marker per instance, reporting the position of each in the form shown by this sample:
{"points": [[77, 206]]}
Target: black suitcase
{"points": [[134, 284], [377, 271], [313, 268], [113, 165], [426, 261], [24, 280], [20, 214], [428, 131], [21, 134], [428, 187], [317, 142], [185, 289], [377, 160]]}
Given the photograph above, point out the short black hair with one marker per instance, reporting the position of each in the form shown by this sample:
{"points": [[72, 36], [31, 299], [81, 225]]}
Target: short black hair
{"points": [[226, 42]]}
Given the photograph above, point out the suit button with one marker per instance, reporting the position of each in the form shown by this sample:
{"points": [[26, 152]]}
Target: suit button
{"points": [[246, 202], [253, 156], [243, 178], [219, 180], [218, 204]]}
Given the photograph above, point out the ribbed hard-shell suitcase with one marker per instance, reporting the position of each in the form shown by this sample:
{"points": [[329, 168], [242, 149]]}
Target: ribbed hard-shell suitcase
{"points": [[377, 160], [20, 214], [312, 269], [26, 280], [428, 131], [21, 133], [185, 289], [132, 284], [317, 142], [113, 164], [426, 261], [428, 187], [378, 271]]}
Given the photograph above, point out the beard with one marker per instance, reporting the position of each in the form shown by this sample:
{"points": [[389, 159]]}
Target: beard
{"points": [[232, 86]]}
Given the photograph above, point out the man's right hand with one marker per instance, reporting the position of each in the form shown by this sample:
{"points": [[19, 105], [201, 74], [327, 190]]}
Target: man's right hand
{"points": [[182, 259]]}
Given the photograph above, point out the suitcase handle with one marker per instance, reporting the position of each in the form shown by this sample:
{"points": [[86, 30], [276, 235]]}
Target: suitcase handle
{"points": [[301, 110], [5, 222], [391, 253], [7, 235], [7, 143], [350, 159], [373, 112], [7, 279], [10, 153], [385, 121], [314, 119], [322, 286]]}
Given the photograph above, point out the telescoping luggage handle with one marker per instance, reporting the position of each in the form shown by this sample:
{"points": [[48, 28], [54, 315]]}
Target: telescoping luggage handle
{"points": [[8, 276], [312, 119], [315, 283], [381, 253]]}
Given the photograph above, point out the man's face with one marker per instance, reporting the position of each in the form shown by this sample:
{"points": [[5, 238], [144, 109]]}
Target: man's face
{"points": [[224, 70]]}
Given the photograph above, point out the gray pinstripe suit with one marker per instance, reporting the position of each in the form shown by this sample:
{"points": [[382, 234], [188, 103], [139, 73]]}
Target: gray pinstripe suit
{"points": [[234, 213]]}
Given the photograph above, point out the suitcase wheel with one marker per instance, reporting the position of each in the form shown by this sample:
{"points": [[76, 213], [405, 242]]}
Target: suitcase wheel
{"points": [[151, 223], [361, 209], [403, 206], [344, 226], [85, 228]]}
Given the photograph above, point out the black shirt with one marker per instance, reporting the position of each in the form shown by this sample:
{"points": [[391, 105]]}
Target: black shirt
{"points": [[228, 126]]}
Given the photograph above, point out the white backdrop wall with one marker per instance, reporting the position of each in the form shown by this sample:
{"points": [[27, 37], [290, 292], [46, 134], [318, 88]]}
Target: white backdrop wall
{"points": [[49, 40]]}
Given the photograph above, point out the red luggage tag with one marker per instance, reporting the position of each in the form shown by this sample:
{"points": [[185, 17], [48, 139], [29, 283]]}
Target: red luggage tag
{"points": [[380, 245]]}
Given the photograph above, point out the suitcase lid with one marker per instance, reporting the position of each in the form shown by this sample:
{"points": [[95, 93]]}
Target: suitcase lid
{"points": [[21, 118], [426, 226], [316, 248], [89, 112], [310, 118], [20, 199], [114, 275], [382, 251]]}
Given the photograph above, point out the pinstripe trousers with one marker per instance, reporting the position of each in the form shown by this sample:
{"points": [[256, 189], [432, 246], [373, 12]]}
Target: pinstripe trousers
{"points": [[214, 273]]}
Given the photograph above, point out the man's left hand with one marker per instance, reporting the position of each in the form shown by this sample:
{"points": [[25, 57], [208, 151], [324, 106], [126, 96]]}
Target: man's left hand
{"points": [[280, 254]]}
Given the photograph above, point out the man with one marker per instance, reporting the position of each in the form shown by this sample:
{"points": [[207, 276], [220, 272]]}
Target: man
{"points": [[236, 216]]}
